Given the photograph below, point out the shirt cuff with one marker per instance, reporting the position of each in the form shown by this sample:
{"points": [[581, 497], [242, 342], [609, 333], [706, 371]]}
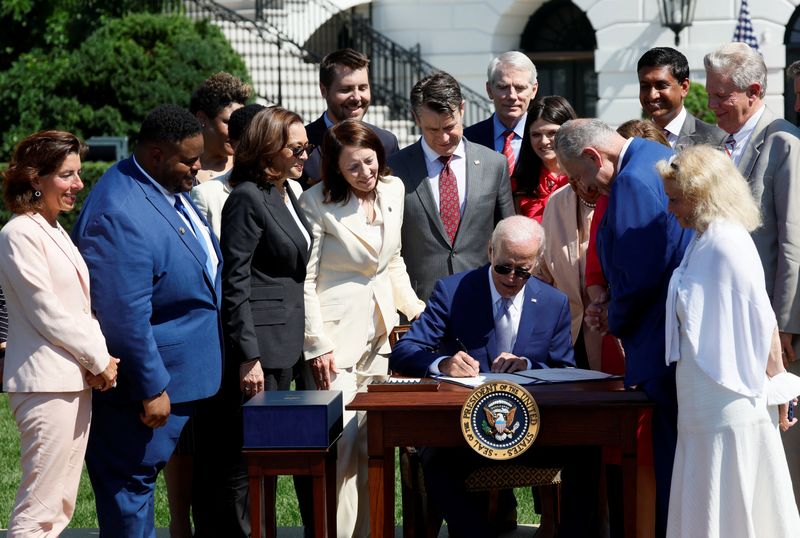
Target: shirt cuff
{"points": [[433, 369]]}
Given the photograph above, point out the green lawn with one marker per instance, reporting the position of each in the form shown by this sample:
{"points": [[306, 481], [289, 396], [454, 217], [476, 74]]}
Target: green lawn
{"points": [[288, 513]]}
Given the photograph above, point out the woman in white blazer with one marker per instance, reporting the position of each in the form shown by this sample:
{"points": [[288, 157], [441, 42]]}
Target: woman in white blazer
{"points": [[56, 352], [356, 281]]}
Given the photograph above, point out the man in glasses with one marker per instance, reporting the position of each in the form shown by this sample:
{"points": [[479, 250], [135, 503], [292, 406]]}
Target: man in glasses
{"points": [[497, 319], [483, 320], [344, 84]]}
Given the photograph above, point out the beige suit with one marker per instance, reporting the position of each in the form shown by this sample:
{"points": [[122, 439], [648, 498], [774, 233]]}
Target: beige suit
{"points": [[352, 294], [566, 224], [345, 273], [53, 339]]}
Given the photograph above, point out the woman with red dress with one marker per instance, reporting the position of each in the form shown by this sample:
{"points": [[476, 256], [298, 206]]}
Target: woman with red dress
{"points": [[537, 174]]}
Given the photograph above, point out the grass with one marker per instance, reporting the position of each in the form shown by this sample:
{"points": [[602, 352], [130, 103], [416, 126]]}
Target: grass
{"points": [[287, 510]]}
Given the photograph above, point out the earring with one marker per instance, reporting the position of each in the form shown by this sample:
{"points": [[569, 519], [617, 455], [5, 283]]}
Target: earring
{"points": [[37, 194]]}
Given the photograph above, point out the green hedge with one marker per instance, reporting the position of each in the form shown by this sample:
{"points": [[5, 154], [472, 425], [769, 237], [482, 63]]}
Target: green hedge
{"points": [[91, 172], [106, 86], [697, 103]]}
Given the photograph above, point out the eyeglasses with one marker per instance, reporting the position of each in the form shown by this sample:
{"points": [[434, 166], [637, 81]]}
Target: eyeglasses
{"points": [[297, 151], [519, 272]]}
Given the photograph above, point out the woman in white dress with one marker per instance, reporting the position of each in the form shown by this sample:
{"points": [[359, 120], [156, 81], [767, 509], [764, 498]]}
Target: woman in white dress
{"points": [[730, 477]]}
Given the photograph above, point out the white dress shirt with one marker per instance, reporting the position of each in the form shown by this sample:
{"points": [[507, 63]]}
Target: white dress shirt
{"points": [[742, 136], [458, 164], [673, 128], [516, 141]]}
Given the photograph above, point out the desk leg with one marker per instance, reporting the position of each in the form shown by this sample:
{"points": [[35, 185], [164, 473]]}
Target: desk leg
{"points": [[318, 485], [270, 488], [255, 504], [629, 478], [330, 490]]}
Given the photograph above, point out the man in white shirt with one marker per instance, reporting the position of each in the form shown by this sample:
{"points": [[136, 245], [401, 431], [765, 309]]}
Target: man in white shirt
{"points": [[663, 86]]}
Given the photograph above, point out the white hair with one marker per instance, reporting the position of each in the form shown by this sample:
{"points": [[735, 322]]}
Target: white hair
{"points": [[739, 62], [515, 59], [576, 135], [517, 229]]}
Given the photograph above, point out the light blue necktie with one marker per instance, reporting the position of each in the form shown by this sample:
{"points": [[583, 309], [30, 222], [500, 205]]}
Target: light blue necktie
{"points": [[200, 239], [503, 326]]}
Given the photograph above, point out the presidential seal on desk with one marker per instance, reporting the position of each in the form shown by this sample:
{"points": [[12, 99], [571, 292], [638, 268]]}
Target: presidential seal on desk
{"points": [[500, 420]]}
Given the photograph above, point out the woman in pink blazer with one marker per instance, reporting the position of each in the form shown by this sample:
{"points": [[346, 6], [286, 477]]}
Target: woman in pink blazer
{"points": [[56, 352]]}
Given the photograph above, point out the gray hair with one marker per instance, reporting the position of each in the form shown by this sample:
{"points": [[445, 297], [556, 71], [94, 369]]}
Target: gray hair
{"points": [[793, 70], [739, 62], [513, 58], [576, 135], [517, 229]]}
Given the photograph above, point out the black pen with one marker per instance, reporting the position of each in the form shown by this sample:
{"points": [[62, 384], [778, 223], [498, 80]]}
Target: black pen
{"points": [[462, 346]]}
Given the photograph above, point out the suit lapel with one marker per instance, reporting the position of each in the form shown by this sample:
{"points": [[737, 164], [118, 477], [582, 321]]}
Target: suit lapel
{"points": [[281, 214], [474, 173], [303, 247], [528, 315], [753, 148], [73, 257], [170, 214]]}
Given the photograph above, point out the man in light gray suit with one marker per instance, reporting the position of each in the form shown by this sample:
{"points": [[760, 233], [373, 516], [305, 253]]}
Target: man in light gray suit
{"points": [[663, 86], [766, 150], [456, 191]]}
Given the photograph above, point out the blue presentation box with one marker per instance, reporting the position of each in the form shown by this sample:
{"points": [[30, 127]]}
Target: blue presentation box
{"points": [[293, 419]]}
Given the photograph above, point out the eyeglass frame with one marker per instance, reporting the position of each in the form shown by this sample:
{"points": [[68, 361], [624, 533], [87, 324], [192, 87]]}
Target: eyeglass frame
{"points": [[307, 148], [519, 272]]}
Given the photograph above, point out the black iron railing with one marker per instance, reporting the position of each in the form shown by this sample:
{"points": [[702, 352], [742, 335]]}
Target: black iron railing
{"points": [[297, 33]]}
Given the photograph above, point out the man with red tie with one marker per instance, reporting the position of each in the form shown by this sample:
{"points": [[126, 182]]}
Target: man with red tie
{"points": [[455, 190], [511, 83]]}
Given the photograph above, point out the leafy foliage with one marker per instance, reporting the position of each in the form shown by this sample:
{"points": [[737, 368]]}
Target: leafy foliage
{"points": [[108, 84], [697, 103]]}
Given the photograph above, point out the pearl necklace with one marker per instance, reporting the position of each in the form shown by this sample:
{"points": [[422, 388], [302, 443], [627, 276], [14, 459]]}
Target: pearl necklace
{"points": [[586, 204]]}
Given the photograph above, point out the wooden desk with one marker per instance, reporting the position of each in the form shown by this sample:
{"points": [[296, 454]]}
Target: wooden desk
{"points": [[593, 413], [320, 464]]}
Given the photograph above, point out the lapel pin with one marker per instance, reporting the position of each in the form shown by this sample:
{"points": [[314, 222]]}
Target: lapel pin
{"points": [[476, 161], [533, 299], [182, 230]]}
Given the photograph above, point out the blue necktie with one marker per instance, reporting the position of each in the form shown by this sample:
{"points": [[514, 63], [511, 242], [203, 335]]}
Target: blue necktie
{"points": [[200, 239], [503, 326]]}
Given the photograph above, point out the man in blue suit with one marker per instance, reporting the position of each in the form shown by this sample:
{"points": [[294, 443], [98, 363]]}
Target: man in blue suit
{"points": [[155, 280], [497, 319], [639, 244]]}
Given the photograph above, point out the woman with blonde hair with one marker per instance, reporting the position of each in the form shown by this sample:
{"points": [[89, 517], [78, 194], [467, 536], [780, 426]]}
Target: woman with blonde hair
{"points": [[730, 476]]}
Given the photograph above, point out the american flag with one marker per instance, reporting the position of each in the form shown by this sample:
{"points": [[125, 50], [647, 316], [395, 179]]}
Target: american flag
{"points": [[744, 32]]}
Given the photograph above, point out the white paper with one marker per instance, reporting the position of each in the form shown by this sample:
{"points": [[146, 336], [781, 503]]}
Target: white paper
{"points": [[530, 377]]}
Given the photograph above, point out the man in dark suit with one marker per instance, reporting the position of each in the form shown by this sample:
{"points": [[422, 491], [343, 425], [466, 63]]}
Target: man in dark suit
{"points": [[663, 86], [455, 190], [511, 84], [639, 244], [344, 84], [155, 280], [497, 319]]}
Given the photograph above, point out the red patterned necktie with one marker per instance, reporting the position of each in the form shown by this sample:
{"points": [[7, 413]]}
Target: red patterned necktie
{"points": [[449, 206], [508, 151]]}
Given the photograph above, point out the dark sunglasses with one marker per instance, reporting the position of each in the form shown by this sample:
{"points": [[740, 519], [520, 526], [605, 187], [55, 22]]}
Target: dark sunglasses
{"points": [[308, 148], [519, 272]]}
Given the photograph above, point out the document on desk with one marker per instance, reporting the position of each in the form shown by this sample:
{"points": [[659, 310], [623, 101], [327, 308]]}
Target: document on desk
{"points": [[531, 377]]}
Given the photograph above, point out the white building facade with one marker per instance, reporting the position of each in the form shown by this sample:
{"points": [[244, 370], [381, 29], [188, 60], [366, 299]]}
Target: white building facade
{"points": [[586, 50]]}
